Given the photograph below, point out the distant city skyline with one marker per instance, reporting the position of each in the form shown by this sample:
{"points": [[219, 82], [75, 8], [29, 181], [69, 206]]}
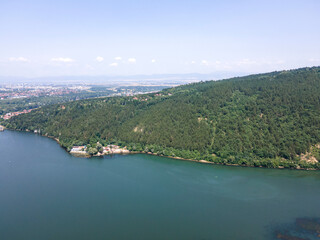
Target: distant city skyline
{"points": [[119, 38]]}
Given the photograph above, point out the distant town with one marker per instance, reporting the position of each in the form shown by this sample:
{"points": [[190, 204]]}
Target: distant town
{"points": [[25, 91], [16, 99]]}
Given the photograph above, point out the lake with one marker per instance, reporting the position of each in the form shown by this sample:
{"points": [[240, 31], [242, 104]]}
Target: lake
{"points": [[45, 193]]}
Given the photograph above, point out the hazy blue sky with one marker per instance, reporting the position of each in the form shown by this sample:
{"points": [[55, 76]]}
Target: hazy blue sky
{"points": [[122, 37]]}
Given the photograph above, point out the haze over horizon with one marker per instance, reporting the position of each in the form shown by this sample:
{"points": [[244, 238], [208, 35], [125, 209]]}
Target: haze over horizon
{"points": [[81, 38]]}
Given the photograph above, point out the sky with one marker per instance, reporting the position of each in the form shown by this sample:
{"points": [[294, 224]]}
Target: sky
{"points": [[64, 38]]}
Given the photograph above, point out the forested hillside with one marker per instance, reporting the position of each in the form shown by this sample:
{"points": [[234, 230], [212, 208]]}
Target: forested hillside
{"points": [[266, 120]]}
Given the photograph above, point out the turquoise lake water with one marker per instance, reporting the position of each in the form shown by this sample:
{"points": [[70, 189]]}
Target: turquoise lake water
{"points": [[45, 193]]}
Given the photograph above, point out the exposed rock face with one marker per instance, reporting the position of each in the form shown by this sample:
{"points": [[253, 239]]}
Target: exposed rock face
{"points": [[138, 129], [307, 157]]}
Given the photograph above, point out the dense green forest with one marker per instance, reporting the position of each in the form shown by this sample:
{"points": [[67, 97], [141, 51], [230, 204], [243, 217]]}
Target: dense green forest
{"points": [[267, 120]]}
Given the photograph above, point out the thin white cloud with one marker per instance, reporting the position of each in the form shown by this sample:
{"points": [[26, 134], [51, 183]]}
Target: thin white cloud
{"points": [[117, 58], [193, 62], [132, 60], [246, 61], [61, 59], [89, 67], [99, 59], [153, 60], [18, 59], [314, 60], [204, 62], [113, 64]]}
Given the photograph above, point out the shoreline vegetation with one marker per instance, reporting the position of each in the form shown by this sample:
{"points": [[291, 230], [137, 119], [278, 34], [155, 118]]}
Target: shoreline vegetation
{"points": [[276, 163], [269, 120]]}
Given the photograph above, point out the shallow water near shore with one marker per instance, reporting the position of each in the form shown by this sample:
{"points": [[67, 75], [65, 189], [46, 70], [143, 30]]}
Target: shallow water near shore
{"points": [[46, 193]]}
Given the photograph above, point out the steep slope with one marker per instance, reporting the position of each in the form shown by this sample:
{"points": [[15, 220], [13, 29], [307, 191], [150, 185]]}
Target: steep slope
{"points": [[260, 120]]}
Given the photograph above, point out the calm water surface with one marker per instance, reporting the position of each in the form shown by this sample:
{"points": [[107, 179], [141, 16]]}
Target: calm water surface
{"points": [[45, 193]]}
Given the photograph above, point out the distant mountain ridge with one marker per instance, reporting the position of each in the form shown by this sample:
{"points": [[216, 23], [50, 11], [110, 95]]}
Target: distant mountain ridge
{"points": [[269, 120], [124, 80]]}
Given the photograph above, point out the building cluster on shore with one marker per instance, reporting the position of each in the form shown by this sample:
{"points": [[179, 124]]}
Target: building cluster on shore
{"points": [[78, 149], [109, 149], [114, 149]]}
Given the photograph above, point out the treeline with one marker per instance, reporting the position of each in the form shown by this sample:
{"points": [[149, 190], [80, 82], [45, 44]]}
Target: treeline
{"points": [[260, 120]]}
